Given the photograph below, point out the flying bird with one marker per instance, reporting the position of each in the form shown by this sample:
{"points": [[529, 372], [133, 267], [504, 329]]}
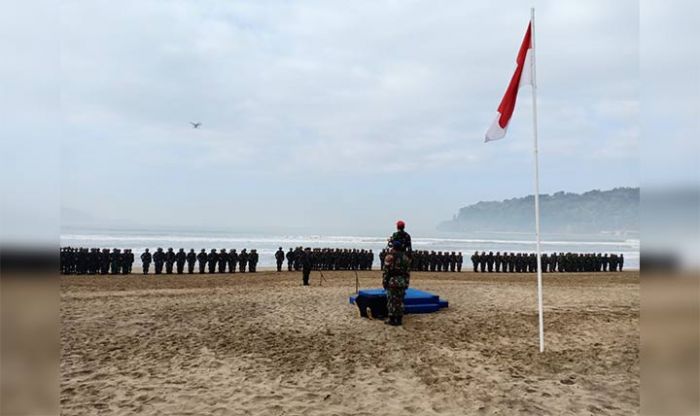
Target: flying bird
{"points": [[195, 125]]}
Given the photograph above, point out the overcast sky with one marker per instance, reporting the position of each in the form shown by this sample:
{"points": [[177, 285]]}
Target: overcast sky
{"points": [[336, 115]]}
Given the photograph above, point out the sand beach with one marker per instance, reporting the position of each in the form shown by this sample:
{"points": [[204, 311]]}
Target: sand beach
{"points": [[264, 345]]}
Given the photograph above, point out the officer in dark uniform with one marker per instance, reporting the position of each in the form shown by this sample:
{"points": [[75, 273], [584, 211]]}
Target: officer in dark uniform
{"points": [[279, 258], [490, 261], [158, 259], [180, 259], [202, 259], [169, 260], [191, 260], [146, 261]]}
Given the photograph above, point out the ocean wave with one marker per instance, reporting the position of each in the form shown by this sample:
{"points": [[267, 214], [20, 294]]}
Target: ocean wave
{"points": [[318, 239]]}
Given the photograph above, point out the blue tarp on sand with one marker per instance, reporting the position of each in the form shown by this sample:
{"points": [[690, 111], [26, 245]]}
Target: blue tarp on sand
{"points": [[415, 301]]}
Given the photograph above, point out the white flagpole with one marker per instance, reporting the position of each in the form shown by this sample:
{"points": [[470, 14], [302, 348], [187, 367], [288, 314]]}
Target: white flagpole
{"points": [[537, 180]]}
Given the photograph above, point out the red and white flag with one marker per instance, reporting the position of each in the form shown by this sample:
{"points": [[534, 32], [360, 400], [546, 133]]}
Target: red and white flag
{"points": [[522, 76]]}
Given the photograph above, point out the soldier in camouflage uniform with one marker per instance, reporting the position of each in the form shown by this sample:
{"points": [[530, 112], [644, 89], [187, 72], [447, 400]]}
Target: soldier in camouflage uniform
{"points": [[397, 274]]}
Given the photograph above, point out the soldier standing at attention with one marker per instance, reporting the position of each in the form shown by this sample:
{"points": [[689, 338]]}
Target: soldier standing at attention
{"points": [[146, 261], [232, 260], [490, 261], [212, 258], [158, 258], [243, 260], [104, 259], [128, 261], [475, 261], [397, 273], [279, 257], [191, 260], [253, 261], [290, 259], [180, 259], [482, 262], [116, 260], [306, 265], [223, 260], [202, 259], [169, 260], [621, 261]]}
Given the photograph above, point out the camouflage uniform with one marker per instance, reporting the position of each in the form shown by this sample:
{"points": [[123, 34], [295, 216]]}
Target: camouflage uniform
{"points": [[396, 279], [397, 274]]}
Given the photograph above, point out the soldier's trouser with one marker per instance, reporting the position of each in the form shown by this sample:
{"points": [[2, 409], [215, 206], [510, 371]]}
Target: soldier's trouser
{"points": [[115, 268], [202, 267], [190, 268], [459, 267], [279, 266], [476, 266], [212, 267], [305, 276], [146, 266], [394, 302], [180, 267], [289, 266], [168, 268], [241, 267], [232, 267], [159, 267], [252, 267]]}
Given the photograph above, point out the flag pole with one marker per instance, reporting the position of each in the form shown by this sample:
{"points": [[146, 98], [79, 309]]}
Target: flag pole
{"points": [[537, 181]]}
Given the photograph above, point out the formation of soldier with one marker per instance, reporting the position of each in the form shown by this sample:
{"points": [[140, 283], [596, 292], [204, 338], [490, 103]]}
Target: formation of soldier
{"points": [[431, 261], [103, 261], [553, 262], [82, 260], [328, 259]]}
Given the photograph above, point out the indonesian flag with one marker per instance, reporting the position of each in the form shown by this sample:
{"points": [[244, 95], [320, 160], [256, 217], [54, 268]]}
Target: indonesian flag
{"points": [[522, 76]]}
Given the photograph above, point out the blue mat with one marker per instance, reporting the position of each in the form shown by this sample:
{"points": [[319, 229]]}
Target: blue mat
{"points": [[415, 301]]}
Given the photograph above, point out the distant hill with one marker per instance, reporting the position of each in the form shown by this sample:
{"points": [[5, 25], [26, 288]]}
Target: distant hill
{"points": [[611, 212]]}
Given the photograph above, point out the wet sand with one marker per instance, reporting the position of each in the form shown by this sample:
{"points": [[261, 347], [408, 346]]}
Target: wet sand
{"points": [[264, 345]]}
